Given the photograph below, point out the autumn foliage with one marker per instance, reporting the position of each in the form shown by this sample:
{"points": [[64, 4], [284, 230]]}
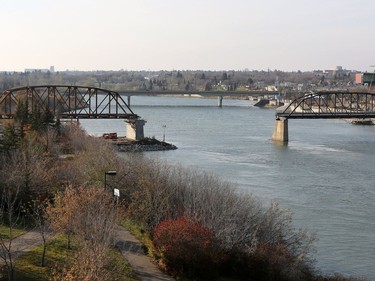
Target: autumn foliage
{"points": [[186, 246]]}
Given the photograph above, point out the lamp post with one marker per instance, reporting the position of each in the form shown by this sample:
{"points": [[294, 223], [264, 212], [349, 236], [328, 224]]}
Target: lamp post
{"points": [[109, 173], [164, 126]]}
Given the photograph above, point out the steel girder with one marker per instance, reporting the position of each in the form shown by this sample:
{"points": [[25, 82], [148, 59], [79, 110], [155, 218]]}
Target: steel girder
{"points": [[67, 102], [330, 105]]}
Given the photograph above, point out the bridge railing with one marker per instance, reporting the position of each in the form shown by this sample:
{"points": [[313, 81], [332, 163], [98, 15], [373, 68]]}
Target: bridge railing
{"points": [[330, 105]]}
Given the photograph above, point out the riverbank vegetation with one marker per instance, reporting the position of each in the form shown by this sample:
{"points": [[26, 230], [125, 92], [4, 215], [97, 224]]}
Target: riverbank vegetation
{"points": [[194, 225], [176, 80]]}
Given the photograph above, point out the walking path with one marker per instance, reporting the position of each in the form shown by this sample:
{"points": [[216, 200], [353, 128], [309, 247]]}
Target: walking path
{"points": [[130, 247], [25, 243], [134, 252]]}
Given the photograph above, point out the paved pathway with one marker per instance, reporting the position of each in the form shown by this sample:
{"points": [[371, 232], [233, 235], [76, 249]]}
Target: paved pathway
{"points": [[134, 252], [130, 247], [25, 242]]}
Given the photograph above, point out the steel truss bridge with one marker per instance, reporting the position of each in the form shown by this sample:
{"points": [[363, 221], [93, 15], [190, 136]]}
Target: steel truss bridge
{"points": [[67, 102], [330, 105]]}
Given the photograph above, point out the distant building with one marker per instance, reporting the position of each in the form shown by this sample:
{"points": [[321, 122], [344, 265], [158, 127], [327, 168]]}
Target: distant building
{"points": [[271, 88], [42, 70], [337, 73], [366, 79]]}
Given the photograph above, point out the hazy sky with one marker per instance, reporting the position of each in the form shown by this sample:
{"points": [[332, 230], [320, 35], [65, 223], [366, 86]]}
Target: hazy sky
{"points": [[189, 34]]}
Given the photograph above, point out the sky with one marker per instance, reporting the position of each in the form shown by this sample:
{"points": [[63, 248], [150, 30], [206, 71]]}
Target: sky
{"points": [[287, 35]]}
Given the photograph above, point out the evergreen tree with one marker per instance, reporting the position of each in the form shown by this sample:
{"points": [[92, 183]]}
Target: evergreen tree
{"points": [[208, 87], [11, 139], [188, 86], [47, 118], [224, 76], [36, 119], [22, 115], [40, 120]]}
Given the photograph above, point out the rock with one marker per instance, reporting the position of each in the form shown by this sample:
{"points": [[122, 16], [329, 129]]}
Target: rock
{"points": [[146, 144]]}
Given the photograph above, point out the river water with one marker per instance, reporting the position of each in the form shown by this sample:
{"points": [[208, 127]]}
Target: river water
{"points": [[325, 174]]}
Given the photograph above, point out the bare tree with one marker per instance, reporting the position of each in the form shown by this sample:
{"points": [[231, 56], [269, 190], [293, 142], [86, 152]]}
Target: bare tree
{"points": [[89, 213], [87, 264], [38, 209], [61, 213], [9, 216]]}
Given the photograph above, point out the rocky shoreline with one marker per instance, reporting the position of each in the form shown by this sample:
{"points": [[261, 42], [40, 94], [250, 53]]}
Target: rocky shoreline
{"points": [[147, 144], [364, 121]]}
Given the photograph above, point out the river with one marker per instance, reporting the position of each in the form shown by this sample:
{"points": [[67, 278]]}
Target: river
{"points": [[325, 174]]}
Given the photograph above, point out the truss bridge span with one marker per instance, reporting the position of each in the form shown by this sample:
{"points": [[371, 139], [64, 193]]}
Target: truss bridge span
{"points": [[324, 105], [67, 102], [72, 102]]}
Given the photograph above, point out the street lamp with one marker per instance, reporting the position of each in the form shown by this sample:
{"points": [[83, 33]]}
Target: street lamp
{"points": [[164, 126], [109, 173]]}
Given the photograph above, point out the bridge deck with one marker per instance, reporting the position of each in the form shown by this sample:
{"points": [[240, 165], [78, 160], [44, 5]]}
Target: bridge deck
{"points": [[97, 116], [201, 93], [336, 115]]}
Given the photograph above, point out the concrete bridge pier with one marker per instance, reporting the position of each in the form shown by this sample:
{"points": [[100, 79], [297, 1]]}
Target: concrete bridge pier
{"points": [[280, 133], [129, 100], [134, 129], [220, 101]]}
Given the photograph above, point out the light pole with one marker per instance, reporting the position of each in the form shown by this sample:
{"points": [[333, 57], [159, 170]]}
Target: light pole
{"points": [[109, 173], [164, 126]]}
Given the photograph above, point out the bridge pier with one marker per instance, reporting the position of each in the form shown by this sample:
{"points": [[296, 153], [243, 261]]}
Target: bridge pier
{"points": [[129, 100], [220, 101], [134, 129], [281, 130]]}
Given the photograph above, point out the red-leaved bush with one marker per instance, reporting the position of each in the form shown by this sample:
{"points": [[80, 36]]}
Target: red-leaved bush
{"points": [[186, 246]]}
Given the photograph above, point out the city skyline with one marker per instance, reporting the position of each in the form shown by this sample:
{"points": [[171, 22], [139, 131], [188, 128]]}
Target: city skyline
{"points": [[286, 35]]}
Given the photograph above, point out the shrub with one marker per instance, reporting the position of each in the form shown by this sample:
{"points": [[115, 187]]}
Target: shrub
{"points": [[276, 262], [238, 222], [186, 246]]}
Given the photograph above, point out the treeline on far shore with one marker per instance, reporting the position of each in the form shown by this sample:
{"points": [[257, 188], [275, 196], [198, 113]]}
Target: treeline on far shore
{"points": [[177, 79], [195, 225]]}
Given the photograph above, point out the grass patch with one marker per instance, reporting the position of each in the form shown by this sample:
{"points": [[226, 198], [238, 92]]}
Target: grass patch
{"points": [[141, 235], [4, 232], [134, 229], [28, 266], [119, 267]]}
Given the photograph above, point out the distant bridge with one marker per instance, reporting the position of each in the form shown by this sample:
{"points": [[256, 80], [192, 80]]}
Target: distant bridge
{"points": [[219, 94], [324, 105], [195, 92]]}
